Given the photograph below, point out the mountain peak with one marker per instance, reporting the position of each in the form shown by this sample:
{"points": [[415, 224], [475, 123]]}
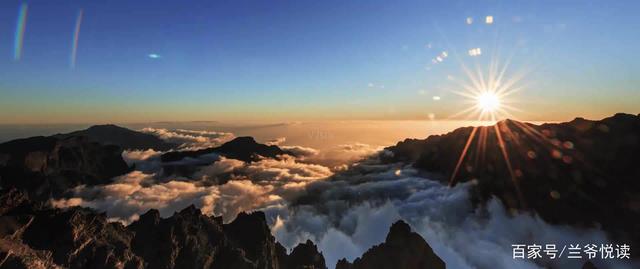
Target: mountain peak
{"points": [[110, 134], [244, 148], [401, 249], [398, 230], [242, 140], [106, 126]]}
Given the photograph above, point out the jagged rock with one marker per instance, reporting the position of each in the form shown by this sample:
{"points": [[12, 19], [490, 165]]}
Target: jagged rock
{"points": [[16, 255], [251, 233], [581, 172], [305, 256], [188, 239], [47, 166], [402, 249], [80, 238], [110, 134], [343, 264], [241, 148]]}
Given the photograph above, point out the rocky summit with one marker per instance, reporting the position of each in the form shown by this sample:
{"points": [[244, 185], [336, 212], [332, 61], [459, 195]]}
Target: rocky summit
{"points": [[402, 249]]}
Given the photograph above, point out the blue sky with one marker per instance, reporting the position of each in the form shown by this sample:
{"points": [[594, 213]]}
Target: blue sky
{"points": [[297, 60]]}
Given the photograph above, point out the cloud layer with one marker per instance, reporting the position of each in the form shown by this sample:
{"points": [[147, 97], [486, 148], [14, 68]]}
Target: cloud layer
{"points": [[354, 211], [225, 187], [190, 139]]}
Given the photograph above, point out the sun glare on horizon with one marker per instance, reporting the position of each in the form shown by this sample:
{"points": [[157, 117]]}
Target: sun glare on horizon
{"points": [[488, 93], [488, 102]]}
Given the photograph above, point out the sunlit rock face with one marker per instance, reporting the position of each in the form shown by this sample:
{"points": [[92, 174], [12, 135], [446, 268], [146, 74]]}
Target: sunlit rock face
{"points": [[581, 172]]}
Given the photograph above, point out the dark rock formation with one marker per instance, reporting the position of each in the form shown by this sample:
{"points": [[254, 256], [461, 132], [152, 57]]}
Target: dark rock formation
{"points": [[305, 256], [581, 172], [124, 138], [34, 237], [41, 237], [402, 249], [241, 148], [188, 239], [46, 166], [80, 238], [251, 233]]}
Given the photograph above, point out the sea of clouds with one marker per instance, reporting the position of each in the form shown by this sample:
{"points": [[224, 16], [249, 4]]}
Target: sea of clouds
{"points": [[345, 209]]}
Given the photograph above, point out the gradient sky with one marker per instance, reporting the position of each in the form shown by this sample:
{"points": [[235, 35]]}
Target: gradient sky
{"points": [[172, 60]]}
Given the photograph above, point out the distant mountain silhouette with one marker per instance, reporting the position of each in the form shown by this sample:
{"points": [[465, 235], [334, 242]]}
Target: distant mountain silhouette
{"points": [[110, 134], [241, 148], [580, 172]]}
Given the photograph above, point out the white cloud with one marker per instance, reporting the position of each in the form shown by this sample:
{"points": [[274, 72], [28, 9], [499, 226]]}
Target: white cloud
{"points": [[301, 152], [276, 142], [349, 215], [248, 186], [191, 139]]}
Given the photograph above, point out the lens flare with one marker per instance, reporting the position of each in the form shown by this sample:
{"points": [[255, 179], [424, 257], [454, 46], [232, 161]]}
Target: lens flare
{"points": [[487, 92], [21, 25], [76, 36]]}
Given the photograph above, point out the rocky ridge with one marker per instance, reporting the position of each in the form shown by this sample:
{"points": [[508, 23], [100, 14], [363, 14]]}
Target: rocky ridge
{"points": [[582, 172], [124, 138], [42, 237]]}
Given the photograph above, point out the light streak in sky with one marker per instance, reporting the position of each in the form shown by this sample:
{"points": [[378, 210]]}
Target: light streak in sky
{"points": [[76, 36], [20, 28]]}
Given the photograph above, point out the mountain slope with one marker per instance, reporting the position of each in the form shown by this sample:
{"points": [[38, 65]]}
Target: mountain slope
{"points": [[580, 172], [124, 138], [46, 166]]}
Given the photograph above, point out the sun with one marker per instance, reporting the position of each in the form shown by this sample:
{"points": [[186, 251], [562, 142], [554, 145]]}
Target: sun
{"points": [[488, 93], [488, 102]]}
